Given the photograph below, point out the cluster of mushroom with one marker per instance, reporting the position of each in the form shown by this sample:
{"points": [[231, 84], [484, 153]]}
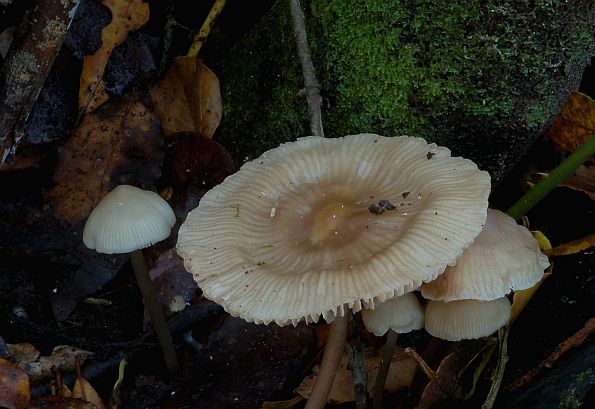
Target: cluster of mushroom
{"points": [[297, 234]]}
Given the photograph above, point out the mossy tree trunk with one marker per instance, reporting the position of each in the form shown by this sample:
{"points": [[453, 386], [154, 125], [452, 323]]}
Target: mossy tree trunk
{"points": [[483, 78]]}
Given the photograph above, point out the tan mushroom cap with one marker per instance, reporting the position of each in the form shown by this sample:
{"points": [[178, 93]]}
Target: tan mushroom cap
{"points": [[401, 314], [290, 235], [504, 257], [466, 319], [128, 219]]}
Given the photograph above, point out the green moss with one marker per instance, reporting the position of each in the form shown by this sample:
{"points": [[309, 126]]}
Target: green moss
{"points": [[440, 69], [568, 400]]}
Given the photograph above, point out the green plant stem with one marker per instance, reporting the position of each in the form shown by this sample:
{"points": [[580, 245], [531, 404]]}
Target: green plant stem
{"points": [[555, 177], [335, 345], [141, 271], [387, 357]]}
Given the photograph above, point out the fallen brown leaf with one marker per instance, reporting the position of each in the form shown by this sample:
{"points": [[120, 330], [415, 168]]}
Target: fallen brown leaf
{"points": [[188, 99], [82, 389], [455, 371], [399, 377], [14, 386], [119, 144], [127, 16], [39, 368], [574, 125]]}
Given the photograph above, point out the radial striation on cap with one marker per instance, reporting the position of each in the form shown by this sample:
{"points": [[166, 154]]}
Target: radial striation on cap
{"points": [[466, 319], [128, 219], [401, 314], [301, 231], [504, 257]]}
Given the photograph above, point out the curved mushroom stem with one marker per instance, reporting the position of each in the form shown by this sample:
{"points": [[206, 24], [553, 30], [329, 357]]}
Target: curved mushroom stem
{"points": [[335, 345], [141, 271], [387, 356]]}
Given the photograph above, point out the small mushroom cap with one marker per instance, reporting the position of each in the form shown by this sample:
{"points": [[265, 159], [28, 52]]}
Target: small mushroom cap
{"points": [[128, 219], [466, 319], [401, 314], [290, 236], [504, 257]]}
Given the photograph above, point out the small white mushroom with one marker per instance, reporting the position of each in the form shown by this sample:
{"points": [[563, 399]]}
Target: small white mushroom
{"points": [[400, 314], [466, 319]]}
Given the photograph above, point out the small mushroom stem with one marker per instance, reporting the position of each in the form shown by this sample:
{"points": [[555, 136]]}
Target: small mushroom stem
{"points": [[335, 345], [141, 271], [387, 357]]}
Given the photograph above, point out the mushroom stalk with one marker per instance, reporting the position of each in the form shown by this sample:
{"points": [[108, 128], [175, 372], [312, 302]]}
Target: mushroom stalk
{"points": [[335, 345], [387, 356], [141, 271]]}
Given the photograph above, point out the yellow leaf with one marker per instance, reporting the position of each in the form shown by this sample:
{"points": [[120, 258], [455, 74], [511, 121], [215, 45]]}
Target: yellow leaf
{"points": [[127, 16], [522, 297], [574, 125], [188, 99], [573, 247]]}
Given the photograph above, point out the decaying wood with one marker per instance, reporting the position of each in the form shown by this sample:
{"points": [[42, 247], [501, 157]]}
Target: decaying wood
{"points": [[575, 340], [27, 65]]}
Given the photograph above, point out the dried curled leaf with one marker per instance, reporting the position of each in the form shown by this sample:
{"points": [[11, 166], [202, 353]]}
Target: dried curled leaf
{"points": [[120, 144], [127, 16], [575, 124], [39, 368], [82, 389], [583, 180], [188, 99]]}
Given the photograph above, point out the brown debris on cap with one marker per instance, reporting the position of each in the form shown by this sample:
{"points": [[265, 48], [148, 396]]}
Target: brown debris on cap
{"points": [[466, 319], [504, 257], [290, 237], [128, 219], [401, 314]]}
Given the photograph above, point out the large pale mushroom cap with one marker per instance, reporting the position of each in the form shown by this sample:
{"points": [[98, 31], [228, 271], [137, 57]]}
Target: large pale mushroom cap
{"points": [[401, 314], [290, 235], [128, 219], [504, 257], [466, 319]]}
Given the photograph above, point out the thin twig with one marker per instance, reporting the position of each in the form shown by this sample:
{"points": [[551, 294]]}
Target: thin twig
{"points": [[204, 31], [425, 368], [500, 368], [575, 340], [387, 357], [335, 345], [310, 83]]}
